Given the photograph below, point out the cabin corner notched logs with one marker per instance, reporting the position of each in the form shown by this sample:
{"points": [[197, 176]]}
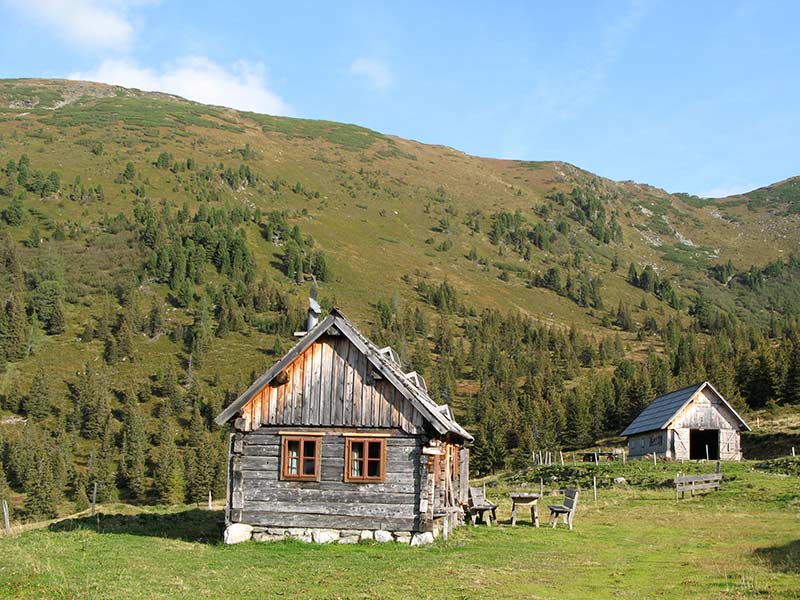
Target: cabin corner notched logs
{"points": [[390, 461]]}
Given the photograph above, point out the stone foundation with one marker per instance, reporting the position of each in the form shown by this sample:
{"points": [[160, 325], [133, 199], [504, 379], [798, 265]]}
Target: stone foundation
{"points": [[239, 532]]}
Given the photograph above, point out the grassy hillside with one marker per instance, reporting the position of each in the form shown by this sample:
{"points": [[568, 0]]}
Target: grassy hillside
{"points": [[634, 541], [158, 252]]}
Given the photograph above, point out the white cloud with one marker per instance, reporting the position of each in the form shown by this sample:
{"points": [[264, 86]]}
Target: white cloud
{"points": [[99, 24], [376, 72], [244, 86]]}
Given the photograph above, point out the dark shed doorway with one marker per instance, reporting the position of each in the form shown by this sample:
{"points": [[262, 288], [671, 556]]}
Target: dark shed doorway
{"points": [[699, 439]]}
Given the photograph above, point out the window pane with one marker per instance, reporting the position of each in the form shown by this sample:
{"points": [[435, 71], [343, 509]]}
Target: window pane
{"points": [[356, 459], [293, 464], [374, 449], [373, 468], [308, 466], [310, 448]]}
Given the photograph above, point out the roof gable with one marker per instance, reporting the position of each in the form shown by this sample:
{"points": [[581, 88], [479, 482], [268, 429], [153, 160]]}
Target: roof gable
{"points": [[382, 361], [660, 413]]}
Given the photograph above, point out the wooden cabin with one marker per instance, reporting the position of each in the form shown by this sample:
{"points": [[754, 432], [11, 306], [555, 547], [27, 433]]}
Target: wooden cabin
{"points": [[693, 423], [337, 443]]}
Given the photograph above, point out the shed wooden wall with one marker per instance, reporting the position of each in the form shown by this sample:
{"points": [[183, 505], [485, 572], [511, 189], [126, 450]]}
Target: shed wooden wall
{"points": [[331, 384], [707, 411], [259, 497], [648, 442]]}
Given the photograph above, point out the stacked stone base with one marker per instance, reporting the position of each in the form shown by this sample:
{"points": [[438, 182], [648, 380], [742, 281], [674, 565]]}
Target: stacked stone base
{"points": [[240, 532]]}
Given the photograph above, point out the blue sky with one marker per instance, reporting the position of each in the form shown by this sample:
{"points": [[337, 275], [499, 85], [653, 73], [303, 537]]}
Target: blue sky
{"points": [[699, 97]]}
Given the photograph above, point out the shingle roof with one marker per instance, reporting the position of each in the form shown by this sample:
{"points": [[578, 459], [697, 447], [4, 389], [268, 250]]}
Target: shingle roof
{"points": [[442, 421], [663, 409]]}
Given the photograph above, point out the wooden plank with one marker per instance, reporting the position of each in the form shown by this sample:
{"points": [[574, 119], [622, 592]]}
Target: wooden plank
{"points": [[345, 509], [308, 369], [334, 521], [337, 376], [358, 383], [323, 415], [316, 405], [347, 384], [377, 489], [297, 389], [309, 497]]}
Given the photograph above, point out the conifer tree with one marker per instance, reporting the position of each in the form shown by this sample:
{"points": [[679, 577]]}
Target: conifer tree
{"points": [[57, 322], [80, 496], [102, 467], [134, 451], [168, 476], [42, 497], [37, 403], [200, 467], [15, 340]]}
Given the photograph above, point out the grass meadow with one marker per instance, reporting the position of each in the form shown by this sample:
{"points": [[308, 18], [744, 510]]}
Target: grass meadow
{"points": [[635, 541]]}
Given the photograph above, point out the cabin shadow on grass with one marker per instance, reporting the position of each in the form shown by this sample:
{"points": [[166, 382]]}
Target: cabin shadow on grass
{"points": [[785, 558], [193, 525]]}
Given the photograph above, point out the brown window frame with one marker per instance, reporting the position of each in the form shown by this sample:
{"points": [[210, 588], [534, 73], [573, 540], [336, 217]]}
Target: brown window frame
{"points": [[302, 439], [348, 460]]}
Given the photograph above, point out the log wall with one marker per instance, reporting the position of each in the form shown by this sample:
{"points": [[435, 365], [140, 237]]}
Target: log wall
{"points": [[259, 497]]}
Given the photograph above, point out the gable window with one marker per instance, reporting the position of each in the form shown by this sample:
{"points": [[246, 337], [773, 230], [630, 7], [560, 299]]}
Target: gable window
{"points": [[300, 458], [365, 460]]}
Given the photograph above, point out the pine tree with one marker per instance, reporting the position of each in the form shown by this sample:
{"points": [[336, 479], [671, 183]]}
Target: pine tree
{"points": [[125, 339], [15, 340], [791, 389], [42, 497], [155, 319], [37, 403], [200, 467], [81, 498], [168, 473], [103, 468], [57, 322], [134, 451]]}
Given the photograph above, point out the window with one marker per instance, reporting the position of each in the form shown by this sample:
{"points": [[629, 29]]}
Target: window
{"points": [[365, 460], [300, 458]]}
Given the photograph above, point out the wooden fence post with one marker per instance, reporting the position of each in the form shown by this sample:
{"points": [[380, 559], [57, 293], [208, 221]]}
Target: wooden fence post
{"points": [[210, 505], [706, 451], [793, 454], [6, 520], [719, 467], [678, 474], [574, 460], [94, 497], [594, 485], [623, 456], [655, 459], [541, 486], [561, 454]]}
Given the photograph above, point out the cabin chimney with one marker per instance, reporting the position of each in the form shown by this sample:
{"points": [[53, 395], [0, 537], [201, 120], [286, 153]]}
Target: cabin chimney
{"points": [[314, 312]]}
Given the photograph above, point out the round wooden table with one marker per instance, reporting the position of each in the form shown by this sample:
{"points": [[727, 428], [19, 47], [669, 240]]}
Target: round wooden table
{"points": [[524, 498]]}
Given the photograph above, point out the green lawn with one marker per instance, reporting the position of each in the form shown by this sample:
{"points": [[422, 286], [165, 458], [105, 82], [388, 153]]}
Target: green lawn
{"points": [[741, 542]]}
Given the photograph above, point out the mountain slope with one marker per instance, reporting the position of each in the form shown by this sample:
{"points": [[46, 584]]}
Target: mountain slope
{"points": [[169, 246]]}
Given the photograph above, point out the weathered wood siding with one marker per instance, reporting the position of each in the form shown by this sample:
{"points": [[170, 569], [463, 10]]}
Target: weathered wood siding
{"points": [[331, 384], [648, 442], [259, 497], [705, 411]]}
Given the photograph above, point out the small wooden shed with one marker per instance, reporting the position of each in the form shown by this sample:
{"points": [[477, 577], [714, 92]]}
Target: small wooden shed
{"points": [[336, 442], [695, 422]]}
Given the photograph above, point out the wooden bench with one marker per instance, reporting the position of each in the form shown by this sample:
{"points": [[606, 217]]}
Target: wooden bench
{"points": [[479, 506], [696, 483], [567, 509]]}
